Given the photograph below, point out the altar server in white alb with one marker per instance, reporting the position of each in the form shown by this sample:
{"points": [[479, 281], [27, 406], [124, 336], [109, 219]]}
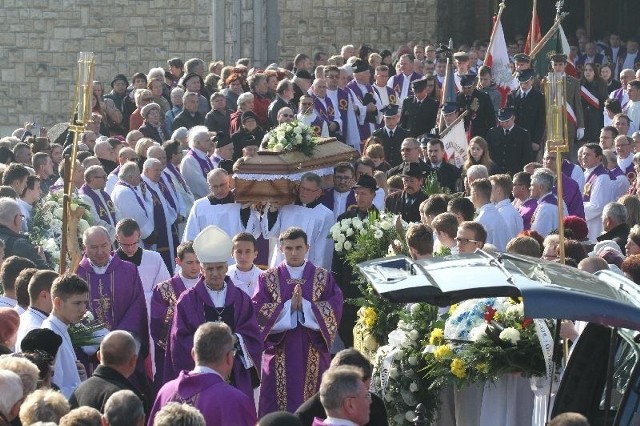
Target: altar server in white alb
{"points": [[40, 304], [545, 216], [102, 209], [132, 203], [220, 209], [196, 163], [244, 273], [597, 187], [308, 213]]}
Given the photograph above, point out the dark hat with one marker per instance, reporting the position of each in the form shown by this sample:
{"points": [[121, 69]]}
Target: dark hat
{"points": [[366, 181], [189, 76], [42, 339], [461, 56], [424, 140], [412, 170], [359, 66], [248, 115], [419, 85], [505, 114], [559, 57], [221, 139], [390, 110], [119, 77], [467, 80], [522, 57], [304, 74], [526, 75], [449, 107], [280, 418]]}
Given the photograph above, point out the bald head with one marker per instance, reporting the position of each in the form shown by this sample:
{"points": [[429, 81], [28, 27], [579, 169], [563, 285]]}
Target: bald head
{"points": [[593, 264], [94, 233], [117, 348]]}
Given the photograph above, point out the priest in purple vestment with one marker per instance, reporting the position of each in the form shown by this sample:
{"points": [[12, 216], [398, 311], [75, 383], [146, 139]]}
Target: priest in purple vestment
{"points": [[163, 302], [215, 298], [299, 309], [116, 296], [205, 386]]}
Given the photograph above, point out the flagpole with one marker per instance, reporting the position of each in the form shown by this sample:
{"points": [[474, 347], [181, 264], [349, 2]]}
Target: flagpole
{"points": [[532, 30], [493, 31], [548, 35]]}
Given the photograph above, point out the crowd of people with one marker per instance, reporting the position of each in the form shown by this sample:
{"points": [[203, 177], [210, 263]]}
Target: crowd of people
{"points": [[238, 309]]}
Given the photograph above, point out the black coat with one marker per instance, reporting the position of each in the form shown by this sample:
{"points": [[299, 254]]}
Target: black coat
{"points": [[397, 203], [312, 407], [277, 105], [530, 113], [96, 390], [392, 146], [447, 173], [418, 119], [19, 245], [242, 138], [218, 122], [398, 169], [482, 118], [510, 153], [619, 234], [185, 119]]}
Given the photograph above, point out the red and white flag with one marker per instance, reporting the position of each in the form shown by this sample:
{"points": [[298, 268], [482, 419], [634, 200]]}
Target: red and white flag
{"points": [[498, 59]]}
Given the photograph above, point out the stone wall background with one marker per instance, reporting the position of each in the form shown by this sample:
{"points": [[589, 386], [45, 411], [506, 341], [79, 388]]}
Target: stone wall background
{"points": [[41, 39]]}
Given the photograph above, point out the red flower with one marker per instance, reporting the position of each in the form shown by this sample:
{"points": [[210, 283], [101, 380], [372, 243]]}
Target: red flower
{"points": [[489, 313], [527, 322]]}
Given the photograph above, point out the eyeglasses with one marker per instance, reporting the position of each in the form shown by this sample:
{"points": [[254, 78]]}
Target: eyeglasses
{"points": [[286, 115], [100, 177], [23, 217], [367, 396], [306, 103], [465, 240], [233, 352]]}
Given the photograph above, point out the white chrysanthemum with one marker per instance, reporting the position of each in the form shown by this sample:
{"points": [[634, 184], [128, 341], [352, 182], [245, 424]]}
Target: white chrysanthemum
{"points": [[83, 225], [348, 245], [349, 232], [386, 225], [477, 333], [57, 213], [338, 246], [510, 334], [278, 147], [341, 238], [357, 224], [413, 360], [515, 311], [414, 334], [378, 234]]}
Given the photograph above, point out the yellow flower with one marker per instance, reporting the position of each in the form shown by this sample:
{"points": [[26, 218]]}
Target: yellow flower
{"points": [[436, 337], [452, 308], [482, 367], [458, 368], [370, 316], [442, 352]]}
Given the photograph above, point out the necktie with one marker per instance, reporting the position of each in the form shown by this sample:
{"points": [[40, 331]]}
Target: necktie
{"points": [[524, 95], [390, 134], [506, 132]]}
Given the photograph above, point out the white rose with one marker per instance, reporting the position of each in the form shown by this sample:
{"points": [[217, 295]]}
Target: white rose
{"points": [[410, 415], [341, 238], [413, 360], [278, 147], [347, 245], [334, 235], [335, 227], [349, 232], [399, 354], [415, 307], [297, 130], [510, 334], [394, 373], [386, 225], [57, 213], [338, 246], [378, 234], [413, 387], [414, 334]]}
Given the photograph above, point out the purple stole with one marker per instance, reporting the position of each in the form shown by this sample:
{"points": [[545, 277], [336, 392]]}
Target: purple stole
{"points": [[327, 114], [619, 95], [631, 173], [327, 200], [548, 199], [571, 196], [140, 202], [58, 184], [316, 125], [598, 171], [160, 220], [106, 213], [615, 173], [526, 210], [567, 167], [398, 82], [205, 165], [174, 171], [343, 108], [167, 193], [364, 129]]}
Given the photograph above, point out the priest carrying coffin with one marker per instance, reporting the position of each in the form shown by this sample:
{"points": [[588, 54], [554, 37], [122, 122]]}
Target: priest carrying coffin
{"points": [[215, 298]]}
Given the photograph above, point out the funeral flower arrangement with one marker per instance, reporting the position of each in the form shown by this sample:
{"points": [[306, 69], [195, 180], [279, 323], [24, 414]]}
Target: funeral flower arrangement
{"points": [[46, 223], [370, 238], [292, 136], [87, 334], [432, 185], [484, 339], [398, 376]]}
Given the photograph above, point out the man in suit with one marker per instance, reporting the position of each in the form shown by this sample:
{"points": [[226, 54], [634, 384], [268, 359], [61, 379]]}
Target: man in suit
{"points": [[481, 116], [575, 121], [448, 174], [590, 56], [614, 51], [392, 135], [407, 202], [419, 111], [529, 108], [284, 98], [509, 144], [410, 152]]}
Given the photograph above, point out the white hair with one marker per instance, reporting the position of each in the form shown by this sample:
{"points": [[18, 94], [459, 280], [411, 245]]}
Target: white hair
{"points": [[245, 97], [9, 208], [176, 93], [11, 390], [150, 162], [345, 47], [156, 73], [127, 170], [194, 132], [477, 171]]}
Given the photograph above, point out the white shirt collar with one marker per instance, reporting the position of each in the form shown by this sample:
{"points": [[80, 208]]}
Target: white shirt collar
{"points": [[100, 269], [339, 421], [296, 271], [503, 202], [8, 302], [217, 296], [58, 323], [188, 282], [201, 369]]}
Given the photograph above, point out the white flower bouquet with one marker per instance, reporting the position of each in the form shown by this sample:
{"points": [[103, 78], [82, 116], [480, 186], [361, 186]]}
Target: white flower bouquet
{"points": [[292, 136]]}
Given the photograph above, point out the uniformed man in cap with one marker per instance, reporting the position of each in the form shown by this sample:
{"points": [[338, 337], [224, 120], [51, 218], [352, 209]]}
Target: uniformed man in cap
{"points": [[481, 116], [406, 203], [449, 113], [392, 135], [509, 144], [575, 115], [419, 111], [461, 61], [529, 108]]}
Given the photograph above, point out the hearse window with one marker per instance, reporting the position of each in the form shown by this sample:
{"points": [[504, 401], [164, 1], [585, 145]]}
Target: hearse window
{"points": [[626, 358]]}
